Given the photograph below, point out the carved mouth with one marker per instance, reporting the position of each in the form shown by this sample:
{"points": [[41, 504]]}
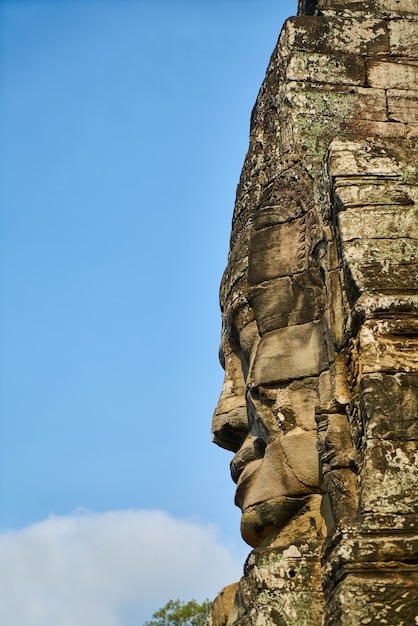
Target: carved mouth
{"points": [[252, 450], [244, 477]]}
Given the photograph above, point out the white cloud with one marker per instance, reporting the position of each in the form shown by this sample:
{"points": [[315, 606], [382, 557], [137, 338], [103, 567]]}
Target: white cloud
{"points": [[113, 569]]}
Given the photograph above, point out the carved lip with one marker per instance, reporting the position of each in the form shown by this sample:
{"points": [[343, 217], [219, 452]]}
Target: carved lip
{"points": [[253, 449], [243, 480], [237, 466]]}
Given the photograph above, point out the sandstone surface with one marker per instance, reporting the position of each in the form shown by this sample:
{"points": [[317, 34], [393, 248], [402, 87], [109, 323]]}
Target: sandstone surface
{"points": [[319, 339]]}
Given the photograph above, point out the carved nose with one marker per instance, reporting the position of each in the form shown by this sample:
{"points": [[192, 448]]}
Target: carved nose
{"points": [[230, 422], [230, 429], [253, 448]]}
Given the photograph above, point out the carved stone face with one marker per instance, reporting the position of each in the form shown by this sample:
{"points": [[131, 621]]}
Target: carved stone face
{"points": [[274, 351], [271, 428]]}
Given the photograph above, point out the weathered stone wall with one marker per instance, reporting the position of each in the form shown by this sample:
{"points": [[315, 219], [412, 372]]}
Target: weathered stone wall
{"points": [[320, 325]]}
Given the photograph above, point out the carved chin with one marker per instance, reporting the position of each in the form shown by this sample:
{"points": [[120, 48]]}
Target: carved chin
{"points": [[289, 470], [298, 517]]}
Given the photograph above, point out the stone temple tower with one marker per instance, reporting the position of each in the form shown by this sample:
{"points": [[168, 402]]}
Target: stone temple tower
{"points": [[320, 326]]}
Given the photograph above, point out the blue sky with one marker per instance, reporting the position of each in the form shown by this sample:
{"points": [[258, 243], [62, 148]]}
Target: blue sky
{"points": [[124, 125]]}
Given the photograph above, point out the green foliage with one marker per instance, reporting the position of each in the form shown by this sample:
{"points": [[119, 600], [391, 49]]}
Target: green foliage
{"points": [[178, 613]]}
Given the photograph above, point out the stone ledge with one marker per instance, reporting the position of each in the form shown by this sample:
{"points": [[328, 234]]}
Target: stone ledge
{"points": [[339, 102], [360, 191], [369, 129], [379, 8], [386, 221], [333, 35], [389, 346], [369, 538], [338, 69]]}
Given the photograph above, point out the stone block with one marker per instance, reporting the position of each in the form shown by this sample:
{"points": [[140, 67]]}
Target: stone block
{"points": [[378, 597], [286, 197], [389, 346], [403, 37], [385, 252], [368, 8], [380, 274], [334, 34], [300, 399], [283, 249], [387, 75], [367, 561], [360, 192], [349, 158], [288, 301], [341, 103], [369, 129], [308, 297], [369, 306], [389, 406], [403, 105], [397, 7], [290, 353], [339, 69], [389, 477], [272, 302], [386, 221], [351, 5], [288, 208], [365, 540], [383, 276]]}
